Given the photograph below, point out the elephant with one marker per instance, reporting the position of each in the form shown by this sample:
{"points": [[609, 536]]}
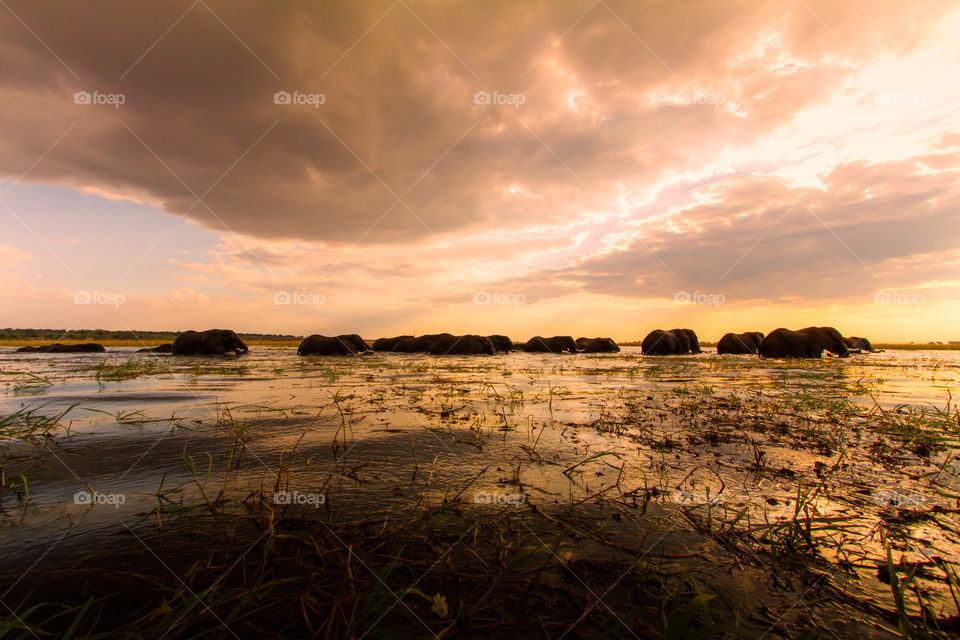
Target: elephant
{"points": [[89, 347], [675, 342], [387, 344], [358, 343], [409, 344], [740, 343], [209, 342], [419, 344], [556, 344], [691, 339], [502, 343], [163, 348], [809, 342], [597, 345], [342, 345], [662, 343], [855, 343], [457, 345]]}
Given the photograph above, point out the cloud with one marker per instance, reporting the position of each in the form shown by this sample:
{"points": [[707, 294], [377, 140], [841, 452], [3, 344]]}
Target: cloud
{"points": [[398, 117], [754, 239], [757, 238], [11, 257]]}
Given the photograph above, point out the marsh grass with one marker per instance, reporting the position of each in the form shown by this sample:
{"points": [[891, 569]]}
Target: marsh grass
{"points": [[23, 436], [32, 424], [777, 458], [443, 573], [29, 382], [127, 370]]}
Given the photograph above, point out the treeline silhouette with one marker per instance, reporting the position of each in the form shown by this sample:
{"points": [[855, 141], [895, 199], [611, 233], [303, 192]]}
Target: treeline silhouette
{"points": [[104, 334]]}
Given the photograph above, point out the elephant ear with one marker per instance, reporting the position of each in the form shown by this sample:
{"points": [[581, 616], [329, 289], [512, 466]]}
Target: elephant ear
{"points": [[826, 340], [835, 342], [838, 337]]}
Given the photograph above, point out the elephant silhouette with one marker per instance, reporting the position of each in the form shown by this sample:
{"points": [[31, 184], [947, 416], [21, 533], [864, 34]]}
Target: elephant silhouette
{"points": [[556, 344], [597, 345], [809, 342], [675, 342], [56, 347], [342, 345], [209, 342], [740, 343]]}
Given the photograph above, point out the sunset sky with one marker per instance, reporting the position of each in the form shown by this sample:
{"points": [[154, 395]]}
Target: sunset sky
{"points": [[584, 168]]}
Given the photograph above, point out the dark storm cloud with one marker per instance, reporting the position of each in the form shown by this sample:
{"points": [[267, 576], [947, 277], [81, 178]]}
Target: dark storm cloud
{"points": [[399, 118]]}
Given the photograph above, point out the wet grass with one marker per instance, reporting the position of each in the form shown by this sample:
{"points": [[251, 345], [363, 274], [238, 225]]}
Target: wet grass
{"points": [[29, 382], [32, 425], [440, 577], [23, 436], [127, 370]]}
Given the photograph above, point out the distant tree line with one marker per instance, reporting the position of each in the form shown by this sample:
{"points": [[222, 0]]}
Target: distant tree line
{"points": [[95, 335]]}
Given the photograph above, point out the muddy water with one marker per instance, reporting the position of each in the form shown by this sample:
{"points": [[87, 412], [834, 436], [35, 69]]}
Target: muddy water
{"points": [[156, 437]]}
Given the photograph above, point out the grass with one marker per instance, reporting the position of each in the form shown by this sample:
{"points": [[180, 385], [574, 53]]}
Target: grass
{"points": [[27, 381], [23, 435], [127, 370], [428, 575], [31, 424]]}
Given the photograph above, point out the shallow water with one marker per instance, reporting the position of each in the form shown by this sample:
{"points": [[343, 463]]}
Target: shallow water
{"points": [[382, 433]]}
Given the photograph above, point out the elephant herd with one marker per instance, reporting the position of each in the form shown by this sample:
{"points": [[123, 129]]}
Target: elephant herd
{"points": [[449, 344], [810, 342]]}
